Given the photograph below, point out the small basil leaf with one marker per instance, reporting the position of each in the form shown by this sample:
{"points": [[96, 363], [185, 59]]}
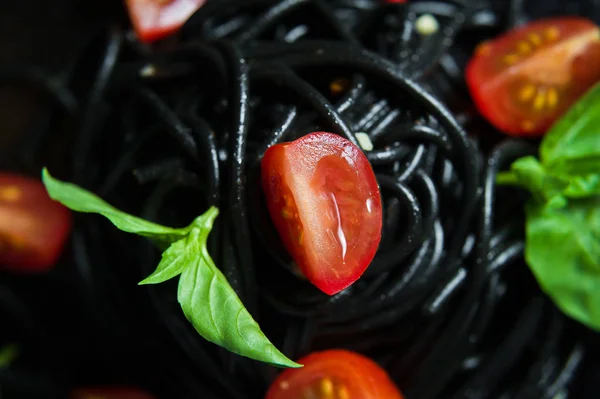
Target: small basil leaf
{"points": [[8, 354], [528, 173], [563, 251], [572, 145], [583, 186], [171, 265], [81, 200], [215, 311]]}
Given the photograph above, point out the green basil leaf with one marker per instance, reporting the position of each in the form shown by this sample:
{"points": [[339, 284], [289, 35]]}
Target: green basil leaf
{"points": [[583, 186], [528, 173], [216, 312], [174, 259], [173, 262], [8, 354], [81, 200], [572, 145], [563, 251]]}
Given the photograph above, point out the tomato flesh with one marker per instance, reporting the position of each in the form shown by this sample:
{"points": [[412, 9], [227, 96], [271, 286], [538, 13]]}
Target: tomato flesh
{"points": [[155, 19], [109, 393], [33, 227], [334, 374], [324, 200], [524, 80]]}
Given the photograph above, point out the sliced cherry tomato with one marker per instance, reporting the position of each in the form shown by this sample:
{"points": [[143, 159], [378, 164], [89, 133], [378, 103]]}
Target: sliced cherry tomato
{"points": [[522, 81], [110, 393], [334, 374], [324, 201], [33, 227], [155, 19]]}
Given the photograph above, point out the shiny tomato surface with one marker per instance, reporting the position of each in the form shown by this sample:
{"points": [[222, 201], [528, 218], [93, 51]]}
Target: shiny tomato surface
{"points": [[324, 200], [155, 19], [110, 393], [334, 374], [522, 81], [33, 227]]}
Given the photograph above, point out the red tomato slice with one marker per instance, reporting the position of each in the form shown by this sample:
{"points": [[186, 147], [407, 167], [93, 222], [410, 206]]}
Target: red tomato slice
{"points": [[155, 19], [109, 393], [324, 201], [33, 227], [522, 81], [334, 374]]}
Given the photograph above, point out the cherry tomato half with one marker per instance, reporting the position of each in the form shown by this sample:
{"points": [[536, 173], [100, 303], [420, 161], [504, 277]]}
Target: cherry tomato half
{"points": [[110, 393], [33, 227], [522, 81], [324, 201], [155, 19], [334, 374]]}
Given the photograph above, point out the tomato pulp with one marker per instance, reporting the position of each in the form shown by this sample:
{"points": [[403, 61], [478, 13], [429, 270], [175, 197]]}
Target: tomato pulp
{"points": [[155, 19], [33, 227], [324, 200], [334, 374], [524, 80]]}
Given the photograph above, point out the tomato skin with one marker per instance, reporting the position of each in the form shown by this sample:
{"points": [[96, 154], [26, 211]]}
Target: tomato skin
{"points": [[522, 81], [109, 393], [156, 19], [357, 375], [324, 201], [33, 227]]}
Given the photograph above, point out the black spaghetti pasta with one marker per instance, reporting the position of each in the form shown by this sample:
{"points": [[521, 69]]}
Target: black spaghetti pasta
{"points": [[448, 305]]}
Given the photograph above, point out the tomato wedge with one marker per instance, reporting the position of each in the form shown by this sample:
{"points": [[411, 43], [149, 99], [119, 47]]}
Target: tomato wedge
{"points": [[33, 227], [324, 200], [109, 393], [334, 374], [522, 81], [155, 19]]}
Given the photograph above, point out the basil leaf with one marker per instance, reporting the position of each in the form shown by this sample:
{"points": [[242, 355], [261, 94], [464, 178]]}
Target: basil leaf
{"points": [[81, 200], [207, 299], [8, 354], [583, 186], [528, 173], [174, 259], [572, 145], [563, 251], [215, 311], [173, 262]]}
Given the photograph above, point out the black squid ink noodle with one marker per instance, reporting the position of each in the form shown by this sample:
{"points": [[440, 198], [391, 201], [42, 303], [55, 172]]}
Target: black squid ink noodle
{"points": [[448, 306]]}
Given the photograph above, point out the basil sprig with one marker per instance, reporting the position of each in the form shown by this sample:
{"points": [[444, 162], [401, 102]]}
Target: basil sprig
{"points": [[205, 296], [562, 245]]}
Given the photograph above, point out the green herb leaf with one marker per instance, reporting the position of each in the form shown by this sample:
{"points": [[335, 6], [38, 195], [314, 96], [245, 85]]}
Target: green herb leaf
{"points": [[173, 262], [563, 251], [80, 200], [528, 173], [8, 354], [215, 311], [562, 246], [207, 299], [572, 146]]}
